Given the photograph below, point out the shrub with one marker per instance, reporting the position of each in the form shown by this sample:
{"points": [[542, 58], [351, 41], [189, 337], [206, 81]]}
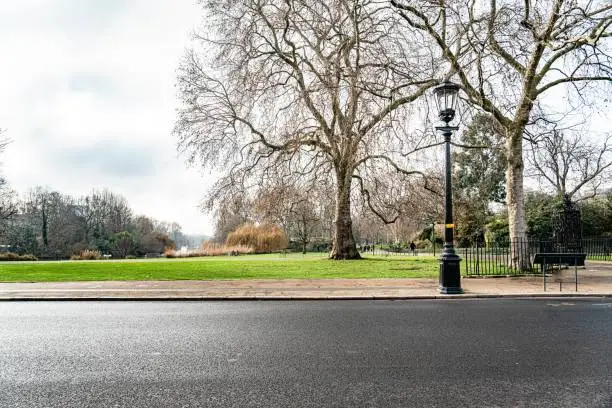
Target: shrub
{"points": [[170, 253], [28, 257], [262, 238], [87, 255], [11, 256]]}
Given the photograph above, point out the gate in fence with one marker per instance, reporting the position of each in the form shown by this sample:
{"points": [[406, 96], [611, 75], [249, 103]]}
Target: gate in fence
{"points": [[567, 229]]}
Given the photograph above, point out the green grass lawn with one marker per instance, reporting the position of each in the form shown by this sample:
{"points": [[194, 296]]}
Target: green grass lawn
{"points": [[275, 266]]}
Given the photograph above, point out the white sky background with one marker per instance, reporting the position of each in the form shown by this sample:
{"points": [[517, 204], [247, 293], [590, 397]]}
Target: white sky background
{"points": [[87, 96]]}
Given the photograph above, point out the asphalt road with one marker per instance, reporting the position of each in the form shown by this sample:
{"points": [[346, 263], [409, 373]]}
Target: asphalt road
{"points": [[449, 353]]}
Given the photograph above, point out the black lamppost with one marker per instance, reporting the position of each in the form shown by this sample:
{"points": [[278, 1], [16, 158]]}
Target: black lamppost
{"points": [[450, 275]]}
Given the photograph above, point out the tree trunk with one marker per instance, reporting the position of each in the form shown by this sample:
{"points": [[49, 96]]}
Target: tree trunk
{"points": [[343, 244], [45, 231], [515, 201]]}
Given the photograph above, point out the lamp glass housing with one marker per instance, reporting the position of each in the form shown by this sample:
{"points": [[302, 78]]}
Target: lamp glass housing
{"points": [[446, 100]]}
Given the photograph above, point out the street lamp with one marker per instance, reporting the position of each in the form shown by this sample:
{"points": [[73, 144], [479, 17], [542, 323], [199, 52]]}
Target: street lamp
{"points": [[450, 276]]}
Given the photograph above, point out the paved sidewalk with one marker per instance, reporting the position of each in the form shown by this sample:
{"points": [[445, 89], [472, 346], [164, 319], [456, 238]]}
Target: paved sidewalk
{"points": [[594, 280]]}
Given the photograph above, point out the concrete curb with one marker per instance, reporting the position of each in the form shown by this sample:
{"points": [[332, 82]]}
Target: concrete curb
{"points": [[304, 298]]}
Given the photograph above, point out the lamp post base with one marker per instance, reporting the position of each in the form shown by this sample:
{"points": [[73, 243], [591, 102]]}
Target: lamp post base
{"points": [[450, 274]]}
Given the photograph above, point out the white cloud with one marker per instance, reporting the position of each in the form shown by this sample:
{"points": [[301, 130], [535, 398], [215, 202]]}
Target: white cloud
{"points": [[87, 95]]}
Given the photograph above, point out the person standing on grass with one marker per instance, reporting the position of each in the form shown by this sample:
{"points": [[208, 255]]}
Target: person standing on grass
{"points": [[412, 248]]}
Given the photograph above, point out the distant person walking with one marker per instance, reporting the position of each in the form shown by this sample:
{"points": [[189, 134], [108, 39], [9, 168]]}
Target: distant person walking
{"points": [[413, 248]]}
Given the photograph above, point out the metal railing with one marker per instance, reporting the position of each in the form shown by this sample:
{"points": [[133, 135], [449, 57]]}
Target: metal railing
{"points": [[509, 258], [393, 250], [502, 259], [514, 257], [598, 249]]}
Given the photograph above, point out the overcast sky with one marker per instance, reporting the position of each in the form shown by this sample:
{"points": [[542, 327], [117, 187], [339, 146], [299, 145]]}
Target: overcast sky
{"points": [[87, 96]]}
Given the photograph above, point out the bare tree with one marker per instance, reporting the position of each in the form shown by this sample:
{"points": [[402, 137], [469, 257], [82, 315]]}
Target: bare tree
{"points": [[230, 207], [304, 221], [150, 235], [8, 197], [8, 201], [298, 209], [314, 88], [56, 219], [105, 213], [508, 56], [573, 166]]}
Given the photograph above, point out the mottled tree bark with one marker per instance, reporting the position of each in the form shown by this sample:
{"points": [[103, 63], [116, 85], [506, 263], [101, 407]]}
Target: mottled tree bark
{"points": [[515, 201], [343, 244]]}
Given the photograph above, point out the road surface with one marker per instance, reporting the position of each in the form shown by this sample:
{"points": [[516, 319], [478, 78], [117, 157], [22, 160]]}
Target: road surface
{"points": [[445, 353]]}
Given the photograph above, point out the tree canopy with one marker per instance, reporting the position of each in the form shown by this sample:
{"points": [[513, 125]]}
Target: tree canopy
{"points": [[276, 88], [511, 57]]}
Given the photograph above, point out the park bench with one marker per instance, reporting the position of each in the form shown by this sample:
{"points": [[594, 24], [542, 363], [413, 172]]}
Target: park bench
{"points": [[546, 259]]}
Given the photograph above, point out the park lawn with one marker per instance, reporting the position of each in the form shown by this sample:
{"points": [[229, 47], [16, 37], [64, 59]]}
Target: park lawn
{"points": [[220, 268]]}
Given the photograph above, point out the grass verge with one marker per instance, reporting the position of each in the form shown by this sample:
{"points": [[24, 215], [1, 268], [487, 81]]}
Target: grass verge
{"points": [[220, 268]]}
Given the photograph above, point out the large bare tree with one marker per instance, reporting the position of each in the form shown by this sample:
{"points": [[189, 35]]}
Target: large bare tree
{"points": [[518, 60], [573, 166], [312, 87]]}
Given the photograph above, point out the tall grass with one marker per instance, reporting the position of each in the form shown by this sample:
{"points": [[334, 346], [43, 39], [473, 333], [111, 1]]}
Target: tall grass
{"points": [[262, 238], [87, 255], [210, 249]]}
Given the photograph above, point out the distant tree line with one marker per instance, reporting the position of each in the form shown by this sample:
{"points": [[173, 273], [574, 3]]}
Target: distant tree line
{"points": [[51, 225]]}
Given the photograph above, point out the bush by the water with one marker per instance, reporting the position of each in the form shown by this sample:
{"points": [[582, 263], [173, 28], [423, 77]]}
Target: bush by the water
{"points": [[10, 256], [87, 255], [262, 238]]}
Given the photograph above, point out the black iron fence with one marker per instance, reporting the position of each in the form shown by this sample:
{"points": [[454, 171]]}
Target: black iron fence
{"points": [[395, 250], [514, 257], [500, 259], [598, 249], [510, 258]]}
